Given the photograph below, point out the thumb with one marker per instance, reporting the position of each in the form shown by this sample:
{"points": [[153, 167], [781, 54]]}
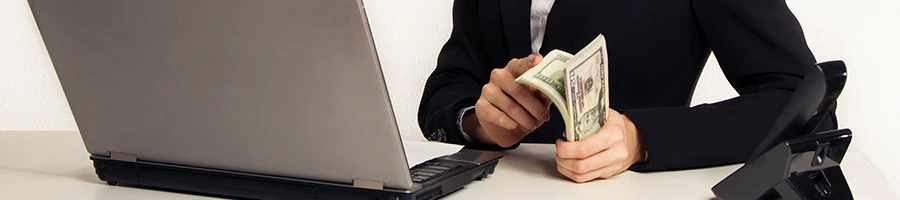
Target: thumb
{"points": [[519, 66], [536, 59]]}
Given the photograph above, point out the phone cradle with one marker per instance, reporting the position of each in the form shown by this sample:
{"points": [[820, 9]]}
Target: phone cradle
{"points": [[795, 161]]}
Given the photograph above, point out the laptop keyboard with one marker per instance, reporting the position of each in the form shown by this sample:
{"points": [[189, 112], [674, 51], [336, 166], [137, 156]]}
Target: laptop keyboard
{"points": [[429, 170]]}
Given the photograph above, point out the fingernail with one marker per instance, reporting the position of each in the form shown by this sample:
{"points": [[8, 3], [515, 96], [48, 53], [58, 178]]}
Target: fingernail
{"points": [[532, 57], [547, 118]]}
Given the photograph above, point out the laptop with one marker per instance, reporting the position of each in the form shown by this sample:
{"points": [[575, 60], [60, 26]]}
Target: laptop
{"points": [[266, 99]]}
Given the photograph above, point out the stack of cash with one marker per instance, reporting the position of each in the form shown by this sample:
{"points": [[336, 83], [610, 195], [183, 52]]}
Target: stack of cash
{"points": [[578, 86]]}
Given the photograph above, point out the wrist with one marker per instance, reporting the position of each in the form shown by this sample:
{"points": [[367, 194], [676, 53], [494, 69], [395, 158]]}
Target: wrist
{"points": [[634, 136], [472, 127]]}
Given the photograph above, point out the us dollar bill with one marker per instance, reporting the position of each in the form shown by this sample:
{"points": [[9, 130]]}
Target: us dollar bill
{"points": [[577, 85], [586, 92], [549, 77]]}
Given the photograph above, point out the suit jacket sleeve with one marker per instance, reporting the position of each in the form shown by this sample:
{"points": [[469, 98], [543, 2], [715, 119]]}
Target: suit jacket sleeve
{"points": [[462, 69], [762, 51]]}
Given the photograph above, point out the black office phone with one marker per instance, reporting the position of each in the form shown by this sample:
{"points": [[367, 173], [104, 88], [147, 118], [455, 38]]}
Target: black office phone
{"points": [[794, 161]]}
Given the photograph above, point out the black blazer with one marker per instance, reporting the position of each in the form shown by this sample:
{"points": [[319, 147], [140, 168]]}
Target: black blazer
{"points": [[657, 49]]}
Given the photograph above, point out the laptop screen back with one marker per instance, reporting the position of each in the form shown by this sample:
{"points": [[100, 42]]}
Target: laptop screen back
{"points": [[276, 87]]}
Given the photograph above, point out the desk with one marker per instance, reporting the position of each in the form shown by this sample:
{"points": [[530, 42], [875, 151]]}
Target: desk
{"points": [[55, 165]]}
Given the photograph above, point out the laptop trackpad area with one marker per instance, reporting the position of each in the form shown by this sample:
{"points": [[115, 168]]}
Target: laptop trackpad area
{"points": [[418, 152], [475, 157]]}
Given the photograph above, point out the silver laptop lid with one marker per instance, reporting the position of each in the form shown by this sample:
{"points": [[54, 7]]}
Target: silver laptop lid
{"points": [[278, 87]]}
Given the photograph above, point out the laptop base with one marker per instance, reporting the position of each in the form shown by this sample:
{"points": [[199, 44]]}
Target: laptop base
{"points": [[228, 184]]}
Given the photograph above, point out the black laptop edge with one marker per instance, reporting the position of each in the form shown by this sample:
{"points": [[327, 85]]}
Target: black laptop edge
{"points": [[240, 185]]}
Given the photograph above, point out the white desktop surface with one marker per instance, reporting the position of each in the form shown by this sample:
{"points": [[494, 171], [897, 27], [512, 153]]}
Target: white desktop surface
{"points": [[55, 165]]}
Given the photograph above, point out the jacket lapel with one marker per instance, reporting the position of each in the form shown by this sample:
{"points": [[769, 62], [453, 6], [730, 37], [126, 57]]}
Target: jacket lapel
{"points": [[565, 23], [516, 15]]}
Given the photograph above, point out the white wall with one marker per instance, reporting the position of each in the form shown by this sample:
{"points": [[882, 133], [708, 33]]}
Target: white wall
{"points": [[30, 95], [869, 104], [409, 34], [408, 50]]}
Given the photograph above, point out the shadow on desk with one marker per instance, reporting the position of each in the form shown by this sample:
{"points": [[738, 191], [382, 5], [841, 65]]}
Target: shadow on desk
{"points": [[536, 161], [87, 175]]}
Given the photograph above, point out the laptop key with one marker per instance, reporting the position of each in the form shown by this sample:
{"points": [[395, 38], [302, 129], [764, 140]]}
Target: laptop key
{"points": [[424, 173], [419, 178], [451, 165], [442, 168], [431, 163], [432, 169], [426, 169]]}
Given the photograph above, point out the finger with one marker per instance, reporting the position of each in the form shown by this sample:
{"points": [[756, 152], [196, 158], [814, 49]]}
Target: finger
{"points": [[486, 112], [545, 100], [597, 161], [508, 138], [520, 93], [500, 100], [591, 145], [518, 66], [538, 58], [605, 172], [533, 90]]}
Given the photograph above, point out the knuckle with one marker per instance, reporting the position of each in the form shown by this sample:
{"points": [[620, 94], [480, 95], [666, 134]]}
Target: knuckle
{"points": [[511, 114], [479, 105], [496, 74], [511, 62], [605, 175], [581, 167], [498, 119], [580, 178], [581, 151], [490, 90]]}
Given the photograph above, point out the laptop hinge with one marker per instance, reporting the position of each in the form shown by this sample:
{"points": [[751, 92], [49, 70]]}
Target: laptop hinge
{"points": [[127, 157], [375, 185]]}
